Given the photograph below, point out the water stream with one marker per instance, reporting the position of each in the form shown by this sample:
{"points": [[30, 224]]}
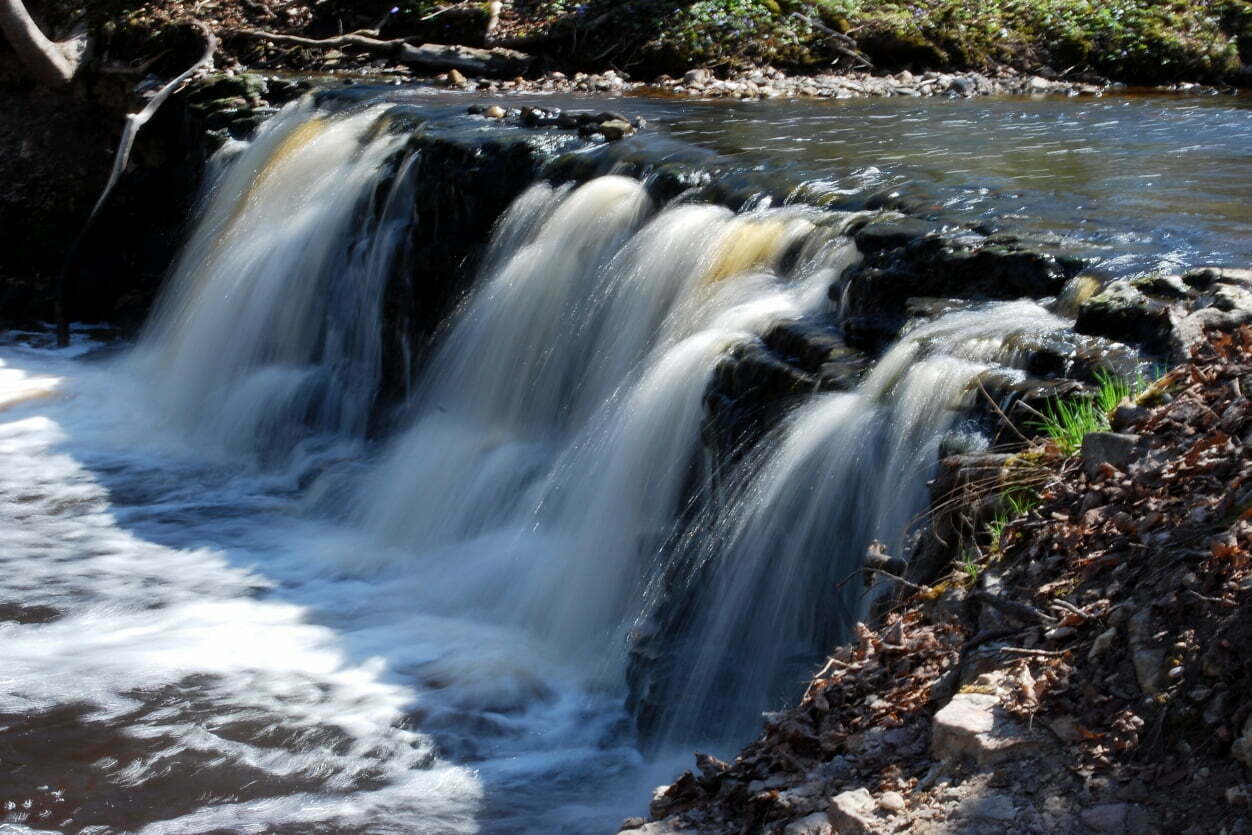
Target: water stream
{"points": [[247, 589]]}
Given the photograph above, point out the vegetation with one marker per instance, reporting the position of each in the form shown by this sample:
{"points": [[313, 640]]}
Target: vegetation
{"points": [[1067, 422], [1145, 41], [1136, 40]]}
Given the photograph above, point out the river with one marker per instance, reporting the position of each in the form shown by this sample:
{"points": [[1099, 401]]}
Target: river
{"points": [[234, 600]]}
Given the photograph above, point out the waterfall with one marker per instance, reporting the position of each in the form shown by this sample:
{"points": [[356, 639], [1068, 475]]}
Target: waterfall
{"points": [[774, 569], [549, 477], [269, 323]]}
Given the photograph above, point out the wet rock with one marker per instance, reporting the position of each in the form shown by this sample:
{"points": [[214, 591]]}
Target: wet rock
{"points": [[615, 129], [494, 112], [852, 813], [902, 262], [1113, 448], [456, 79], [1125, 313], [1164, 286], [890, 234], [973, 726]]}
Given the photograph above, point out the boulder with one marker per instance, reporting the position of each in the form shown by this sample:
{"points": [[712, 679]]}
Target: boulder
{"points": [[615, 129], [1125, 313], [974, 726]]}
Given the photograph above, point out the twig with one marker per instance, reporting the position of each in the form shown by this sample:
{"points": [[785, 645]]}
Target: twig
{"points": [[1007, 422], [1043, 653]]}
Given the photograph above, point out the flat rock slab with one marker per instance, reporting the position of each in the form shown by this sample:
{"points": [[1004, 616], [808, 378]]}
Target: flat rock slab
{"points": [[974, 726]]}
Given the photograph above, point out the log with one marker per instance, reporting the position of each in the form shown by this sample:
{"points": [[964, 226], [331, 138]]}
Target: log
{"points": [[496, 62]]}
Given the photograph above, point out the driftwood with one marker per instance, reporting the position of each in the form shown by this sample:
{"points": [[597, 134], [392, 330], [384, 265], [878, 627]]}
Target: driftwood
{"points": [[134, 122], [497, 61]]}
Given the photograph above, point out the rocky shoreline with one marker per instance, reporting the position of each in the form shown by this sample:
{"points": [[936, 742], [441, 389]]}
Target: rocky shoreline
{"points": [[766, 83]]}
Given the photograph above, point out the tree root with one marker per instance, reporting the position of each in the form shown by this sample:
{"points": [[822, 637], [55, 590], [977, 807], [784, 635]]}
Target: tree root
{"points": [[134, 122], [496, 61]]}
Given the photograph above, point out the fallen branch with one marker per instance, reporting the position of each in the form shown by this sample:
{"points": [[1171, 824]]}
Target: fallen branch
{"points": [[496, 61], [134, 122]]}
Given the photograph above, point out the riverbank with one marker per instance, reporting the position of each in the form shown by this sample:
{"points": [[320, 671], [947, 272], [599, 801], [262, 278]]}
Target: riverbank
{"points": [[1133, 41], [1081, 667]]}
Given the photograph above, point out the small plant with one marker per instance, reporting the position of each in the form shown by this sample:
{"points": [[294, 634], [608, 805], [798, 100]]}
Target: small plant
{"points": [[1067, 422], [1014, 504], [967, 562]]}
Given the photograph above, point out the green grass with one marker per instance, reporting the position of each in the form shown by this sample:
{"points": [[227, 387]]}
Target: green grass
{"points": [[967, 562], [1015, 502], [1067, 422]]}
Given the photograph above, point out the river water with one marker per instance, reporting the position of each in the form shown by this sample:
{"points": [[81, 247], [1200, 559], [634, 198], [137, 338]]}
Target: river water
{"points": [[227, 606]]}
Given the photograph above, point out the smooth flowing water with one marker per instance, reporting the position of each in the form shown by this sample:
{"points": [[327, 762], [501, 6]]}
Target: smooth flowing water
{"points": [[232, 602]]}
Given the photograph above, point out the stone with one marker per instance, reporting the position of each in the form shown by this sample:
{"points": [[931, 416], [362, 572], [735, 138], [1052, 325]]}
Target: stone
{"points": [[852, 813], [494, 112], [455, 79], [711, 767], [1127, 416], [1124, 313], [662, 827], [1103, 642], [891, 802], [1241, 748], [997, 808], [890, 234], [815, 824], [1115, 817], [1165, 286], [1113, 448], [963, 86], [974, 726], [615, 129]]}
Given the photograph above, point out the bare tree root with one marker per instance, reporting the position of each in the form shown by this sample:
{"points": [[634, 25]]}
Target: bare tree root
{"points": [[495, 61], [121, 159], [51, 63]]}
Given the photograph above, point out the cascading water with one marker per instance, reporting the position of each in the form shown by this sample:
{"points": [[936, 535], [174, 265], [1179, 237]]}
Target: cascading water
{"points": [[773, 568], [270, 321], [547, 504]]}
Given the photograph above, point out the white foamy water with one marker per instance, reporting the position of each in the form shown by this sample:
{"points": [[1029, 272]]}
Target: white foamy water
{"points": [[246, 615]]}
